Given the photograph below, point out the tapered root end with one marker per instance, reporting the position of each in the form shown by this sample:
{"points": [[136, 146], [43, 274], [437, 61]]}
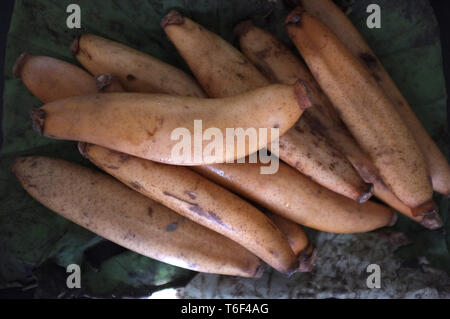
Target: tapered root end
{"points": [[365, 196], [173, 17], [307, 259], [432, 221], [102, 81], [393, 219], [20, 62], [14, 165], [108, 83], [295, 16], [82, 148], [303, 95], [38, 120], [242, 28], [425, 209], [291, 271], [75, 46], [259, 271]]}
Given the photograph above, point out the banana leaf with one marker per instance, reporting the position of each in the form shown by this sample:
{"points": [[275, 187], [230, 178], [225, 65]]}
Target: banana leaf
{"points": [[36, 244]]}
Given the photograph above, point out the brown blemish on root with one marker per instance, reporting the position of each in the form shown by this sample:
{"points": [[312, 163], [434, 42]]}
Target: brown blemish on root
{"points": [[111, 166], [131, 77], [303, 95], [172, 227], [38, 120], [427, 208], [295, 17], [263, 54], [124, 157], [432, 221], [365, 196], [150, 133], [242, 28], [129, 235], [179, 198], [218, 220], [173, 17], [313, 123], [150, 212], [307, 259], [195, 208], [369, 60], [209, 215], [274, 253], [136, 185], [33, 164], [75, 46], [103, 81], [20, 62], [192, 195]]}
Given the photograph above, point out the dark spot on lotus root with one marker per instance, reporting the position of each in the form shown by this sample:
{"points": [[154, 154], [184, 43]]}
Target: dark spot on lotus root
{"points": [[131, 77], [135, 185], [124, 157], [192, 195], [369, 60], [172, 227]]}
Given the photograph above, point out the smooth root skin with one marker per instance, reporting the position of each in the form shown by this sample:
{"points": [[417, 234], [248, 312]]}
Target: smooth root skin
{"points": [[366, 110], [335, 19], [50, 79], [206, 53], [224, 71], [137, 71], [108, 208], [430, 221], [200, 200], [310, 152], [141, 124], [295, 235], [280, 65], [297, 198]]}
